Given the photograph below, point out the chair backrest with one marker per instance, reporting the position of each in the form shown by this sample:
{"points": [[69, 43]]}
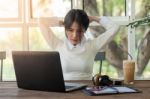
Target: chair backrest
{"points": [[2, 55], [100, 56]]}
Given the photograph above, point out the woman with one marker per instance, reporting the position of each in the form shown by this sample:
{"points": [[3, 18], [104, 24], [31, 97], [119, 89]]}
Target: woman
{"points": [[76, 52]]}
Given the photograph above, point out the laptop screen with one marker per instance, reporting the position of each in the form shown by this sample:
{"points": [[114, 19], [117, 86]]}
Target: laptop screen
{"points": [[38, 70]]}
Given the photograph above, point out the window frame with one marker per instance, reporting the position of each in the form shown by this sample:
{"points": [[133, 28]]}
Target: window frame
{"points": [[25, 21], [17, 19]]}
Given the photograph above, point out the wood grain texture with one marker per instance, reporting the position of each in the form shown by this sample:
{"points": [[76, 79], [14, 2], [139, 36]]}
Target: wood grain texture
{"points": [[9, 90]]}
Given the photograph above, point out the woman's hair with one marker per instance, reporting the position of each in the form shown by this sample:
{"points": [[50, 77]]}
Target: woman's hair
{"points": [[76, 15]]}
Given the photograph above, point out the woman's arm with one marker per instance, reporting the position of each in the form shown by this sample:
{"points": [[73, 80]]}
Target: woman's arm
{"points": [[45, 24], [94, 18], [108, 35]]}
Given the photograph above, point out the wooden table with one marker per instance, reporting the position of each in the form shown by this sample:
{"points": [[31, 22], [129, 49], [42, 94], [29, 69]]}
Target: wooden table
{"points": [[9, 90]]}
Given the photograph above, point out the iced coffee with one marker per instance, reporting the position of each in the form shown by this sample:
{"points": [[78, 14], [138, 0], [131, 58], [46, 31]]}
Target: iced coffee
{"points": [[128, 70]]}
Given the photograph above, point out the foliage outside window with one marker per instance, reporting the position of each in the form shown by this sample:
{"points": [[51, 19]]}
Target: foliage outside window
{"points": [[105, 7]]}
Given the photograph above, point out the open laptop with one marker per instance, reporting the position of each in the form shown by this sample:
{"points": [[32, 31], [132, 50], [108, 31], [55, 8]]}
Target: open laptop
{"points": [[41, 70]]}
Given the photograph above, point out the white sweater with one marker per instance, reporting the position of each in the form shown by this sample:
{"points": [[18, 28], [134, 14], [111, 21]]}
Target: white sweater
{"points": [[77, 62]]}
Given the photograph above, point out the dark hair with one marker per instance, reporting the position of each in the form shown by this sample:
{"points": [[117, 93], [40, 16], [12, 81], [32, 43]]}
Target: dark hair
{"points": [[76, 15]]}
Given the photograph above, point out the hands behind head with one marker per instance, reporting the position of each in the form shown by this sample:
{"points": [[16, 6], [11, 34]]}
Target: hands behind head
{"points": [[61, 23], [91, 19]]}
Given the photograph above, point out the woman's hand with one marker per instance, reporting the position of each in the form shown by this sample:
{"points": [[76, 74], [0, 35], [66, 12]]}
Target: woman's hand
{"points": [[61, 23]]}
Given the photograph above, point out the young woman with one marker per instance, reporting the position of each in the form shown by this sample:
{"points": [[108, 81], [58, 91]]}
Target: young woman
{"points": [[76, 52]]}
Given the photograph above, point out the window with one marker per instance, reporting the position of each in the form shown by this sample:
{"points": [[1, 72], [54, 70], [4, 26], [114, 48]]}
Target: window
{"points": [[10, 11], [19, 29], [141, 38], [10, 39]]}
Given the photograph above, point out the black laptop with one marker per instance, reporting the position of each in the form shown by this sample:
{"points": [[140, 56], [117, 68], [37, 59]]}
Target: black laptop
{"points": [[41, 70]]}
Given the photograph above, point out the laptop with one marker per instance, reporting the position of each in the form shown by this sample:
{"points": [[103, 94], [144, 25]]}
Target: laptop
{"points": [[41, 70]]}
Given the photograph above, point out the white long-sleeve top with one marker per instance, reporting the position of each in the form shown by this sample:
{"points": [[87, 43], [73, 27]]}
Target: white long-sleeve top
{"points": [[77, 61]]}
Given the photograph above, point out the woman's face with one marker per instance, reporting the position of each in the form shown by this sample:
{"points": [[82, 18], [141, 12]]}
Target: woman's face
{"points": [[75, 33]]}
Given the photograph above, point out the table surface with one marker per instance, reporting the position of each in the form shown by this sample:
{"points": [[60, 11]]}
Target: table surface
{"points": [[9, 90]]}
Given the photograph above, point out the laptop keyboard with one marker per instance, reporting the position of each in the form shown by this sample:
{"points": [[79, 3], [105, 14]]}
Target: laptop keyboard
{"points": [[68, 87]]}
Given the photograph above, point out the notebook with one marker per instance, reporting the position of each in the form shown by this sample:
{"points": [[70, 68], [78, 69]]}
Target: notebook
{"points": [[41, 70]]}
